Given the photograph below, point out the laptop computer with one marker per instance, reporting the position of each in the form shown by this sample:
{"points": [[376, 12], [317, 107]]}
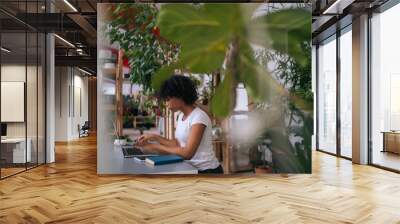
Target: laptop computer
{"points": [[3, 131], [132, 151]]}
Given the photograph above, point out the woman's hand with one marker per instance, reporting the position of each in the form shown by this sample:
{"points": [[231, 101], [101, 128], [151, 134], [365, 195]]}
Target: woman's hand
{"points": [[151, 147], [143, 139]]}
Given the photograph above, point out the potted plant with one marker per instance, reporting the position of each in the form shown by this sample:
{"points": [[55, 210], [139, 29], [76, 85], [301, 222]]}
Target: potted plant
{"points": [[134, 29], [262, 163], [119, 140]]}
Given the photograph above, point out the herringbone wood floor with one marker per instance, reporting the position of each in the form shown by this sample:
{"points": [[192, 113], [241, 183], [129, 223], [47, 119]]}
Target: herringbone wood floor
{"points": [[69, 191]]}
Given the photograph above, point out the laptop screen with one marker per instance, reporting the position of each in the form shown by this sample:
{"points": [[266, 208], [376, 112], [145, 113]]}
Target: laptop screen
{"points": [[3, 129], [130, 151]]}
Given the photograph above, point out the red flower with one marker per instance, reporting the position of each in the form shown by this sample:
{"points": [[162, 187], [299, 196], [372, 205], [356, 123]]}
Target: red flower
{"points": [[156, 31], [126, 62]]}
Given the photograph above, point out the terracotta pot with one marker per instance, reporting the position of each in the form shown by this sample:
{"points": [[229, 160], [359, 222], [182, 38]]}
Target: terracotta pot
{"points": [[263, 170]]}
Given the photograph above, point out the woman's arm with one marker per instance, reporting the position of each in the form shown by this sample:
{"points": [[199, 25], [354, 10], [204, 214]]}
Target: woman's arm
{"points": [[142, 140], [187, 152]]}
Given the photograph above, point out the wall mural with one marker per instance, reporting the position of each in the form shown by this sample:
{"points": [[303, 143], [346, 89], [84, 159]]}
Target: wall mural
{"points": [[187, 89]]}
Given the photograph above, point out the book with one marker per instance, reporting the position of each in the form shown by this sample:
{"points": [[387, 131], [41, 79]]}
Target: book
{"points": [[139, 159], [165, 159], [142, 158]]}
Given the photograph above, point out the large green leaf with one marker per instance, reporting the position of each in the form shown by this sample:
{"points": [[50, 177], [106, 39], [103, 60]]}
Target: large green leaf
{"points": [[223, 99], [204, 59], [283, 30], [203, 32], [259, 83], [189, 24]]}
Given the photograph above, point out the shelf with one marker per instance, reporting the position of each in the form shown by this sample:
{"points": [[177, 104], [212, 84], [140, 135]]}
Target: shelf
{"points": [[110, 72]]}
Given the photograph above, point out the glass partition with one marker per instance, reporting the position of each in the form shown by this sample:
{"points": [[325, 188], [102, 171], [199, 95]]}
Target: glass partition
{"points": [[22, 78], [346, 93], [14, 153], [327, 95]]}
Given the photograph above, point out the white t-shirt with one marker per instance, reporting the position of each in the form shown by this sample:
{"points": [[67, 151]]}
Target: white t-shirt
{"points": [[204, 157]]}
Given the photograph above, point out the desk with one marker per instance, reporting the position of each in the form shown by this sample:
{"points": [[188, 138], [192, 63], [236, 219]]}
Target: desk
{"points": [[391, 141], [13, 150], [112, 161]]}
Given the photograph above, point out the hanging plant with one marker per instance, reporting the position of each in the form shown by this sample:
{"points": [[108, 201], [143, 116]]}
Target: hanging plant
{"points": [[134, 29]]}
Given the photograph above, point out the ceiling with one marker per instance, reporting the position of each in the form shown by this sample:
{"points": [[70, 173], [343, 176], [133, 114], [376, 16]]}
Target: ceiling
{"points": [[330, 15], [72, 20]]}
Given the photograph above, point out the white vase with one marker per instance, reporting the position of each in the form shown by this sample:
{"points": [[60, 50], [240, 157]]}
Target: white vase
{"points": [[120, 142], [109, 65], [105, 54]]}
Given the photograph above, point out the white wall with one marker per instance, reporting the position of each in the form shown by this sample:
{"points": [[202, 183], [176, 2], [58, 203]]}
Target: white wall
{"points": [[12, 73], [61, 103], [79, 117], [33, 126], [70, 83], [17, 73]]}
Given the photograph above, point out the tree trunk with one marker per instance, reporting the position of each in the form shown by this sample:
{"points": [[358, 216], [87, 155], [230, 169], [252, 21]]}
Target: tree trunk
{"points": [[119, 78]]}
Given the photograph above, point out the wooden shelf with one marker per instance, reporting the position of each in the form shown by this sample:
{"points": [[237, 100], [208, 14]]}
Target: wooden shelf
{"points": [[109, 72]]}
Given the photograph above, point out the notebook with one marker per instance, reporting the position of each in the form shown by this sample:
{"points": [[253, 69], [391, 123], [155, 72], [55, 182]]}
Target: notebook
{"points": [[160, 160]]}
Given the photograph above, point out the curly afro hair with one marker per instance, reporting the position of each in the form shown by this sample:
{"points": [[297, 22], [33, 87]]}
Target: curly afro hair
{"points": [[181, 87]]}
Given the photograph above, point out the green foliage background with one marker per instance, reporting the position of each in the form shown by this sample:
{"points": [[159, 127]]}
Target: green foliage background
{"points": [[134, 29], [209, 39]]}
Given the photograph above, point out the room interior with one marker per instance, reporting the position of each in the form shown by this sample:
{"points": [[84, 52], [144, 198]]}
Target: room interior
{"points": [[22, 101], [334, 51], [41, 81]]}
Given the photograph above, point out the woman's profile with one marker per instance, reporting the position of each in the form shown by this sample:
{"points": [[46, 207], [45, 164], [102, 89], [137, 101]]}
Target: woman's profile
{"points": [[193, 135]]}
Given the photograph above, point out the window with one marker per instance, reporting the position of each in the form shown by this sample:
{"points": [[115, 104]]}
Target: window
{"points": [[385, 89], [346, 92], [327, 96]]}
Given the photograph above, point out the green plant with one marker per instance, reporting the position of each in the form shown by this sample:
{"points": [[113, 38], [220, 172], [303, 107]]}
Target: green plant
{"points": [[134, 28], [131, 106], [297, 79], [213, 41], [208, 37], [149, 104], [126, 137], [293, 75], [149, 122], [127, 121]]}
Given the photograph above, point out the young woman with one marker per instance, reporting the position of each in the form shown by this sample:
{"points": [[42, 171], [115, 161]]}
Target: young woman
{"points": [[193, 138]]}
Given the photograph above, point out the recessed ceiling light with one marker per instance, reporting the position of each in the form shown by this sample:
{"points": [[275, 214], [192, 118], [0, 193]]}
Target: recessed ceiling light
{"points": [[84, 71], [70, 5], [337, 7], [65, 41], [5, 50]]}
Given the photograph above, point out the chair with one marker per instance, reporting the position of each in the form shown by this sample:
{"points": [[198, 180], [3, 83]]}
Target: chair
{"points": [[84, 130]]}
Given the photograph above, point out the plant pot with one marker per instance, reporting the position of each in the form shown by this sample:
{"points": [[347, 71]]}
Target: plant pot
{"points": [[216, 132], [135, 112], [120, 142], [263, 170]]}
